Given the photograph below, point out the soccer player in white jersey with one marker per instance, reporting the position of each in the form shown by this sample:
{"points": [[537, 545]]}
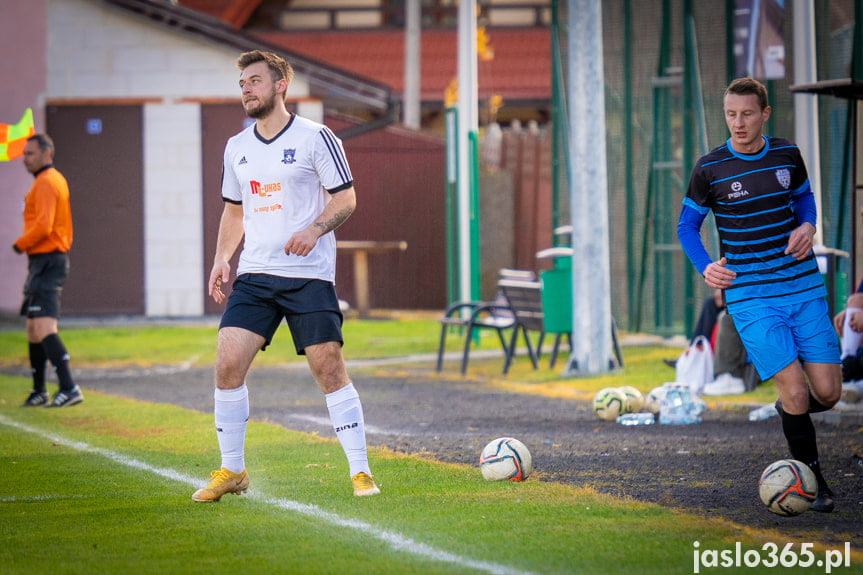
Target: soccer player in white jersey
{"points": [[286, 186]]}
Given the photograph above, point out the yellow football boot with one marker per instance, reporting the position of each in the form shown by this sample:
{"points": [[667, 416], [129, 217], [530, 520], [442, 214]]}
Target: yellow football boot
{"points": [[363, 485], [222, 481]]}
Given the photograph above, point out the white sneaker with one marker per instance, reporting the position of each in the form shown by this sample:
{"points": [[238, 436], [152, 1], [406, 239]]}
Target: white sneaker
{"points": [[724, 384]]}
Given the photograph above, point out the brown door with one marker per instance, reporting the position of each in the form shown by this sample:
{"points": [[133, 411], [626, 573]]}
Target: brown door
{"points": [[218, 123], [99, 149]]}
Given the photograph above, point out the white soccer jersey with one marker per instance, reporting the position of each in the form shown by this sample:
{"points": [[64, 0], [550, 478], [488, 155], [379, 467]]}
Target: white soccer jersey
{"points": [[283, 185]]}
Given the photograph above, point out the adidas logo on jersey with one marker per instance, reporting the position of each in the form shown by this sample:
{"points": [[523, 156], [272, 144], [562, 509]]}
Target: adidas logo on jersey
{"points": [[242, 161]]}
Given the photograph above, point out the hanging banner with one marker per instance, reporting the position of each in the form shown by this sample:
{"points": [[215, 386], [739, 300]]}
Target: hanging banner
{"points": [[759, 43], [14, 136]]}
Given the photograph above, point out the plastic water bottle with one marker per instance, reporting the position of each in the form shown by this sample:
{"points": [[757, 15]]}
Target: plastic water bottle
{"points": [[764, 412], [678, 406], [671, 410], [636, 419]]}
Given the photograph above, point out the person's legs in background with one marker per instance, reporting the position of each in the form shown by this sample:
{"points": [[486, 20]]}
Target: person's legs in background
{"points": [[850, 328], [706, 321], [732, 373]]}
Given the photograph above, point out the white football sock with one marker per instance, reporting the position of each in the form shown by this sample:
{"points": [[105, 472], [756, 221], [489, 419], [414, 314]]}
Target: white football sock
{"points": [[851, 339], [346, 415], [232, 414]]}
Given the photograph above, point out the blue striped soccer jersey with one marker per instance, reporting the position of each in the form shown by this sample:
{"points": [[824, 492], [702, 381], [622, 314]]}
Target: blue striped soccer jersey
{"points": [[757, 201]]}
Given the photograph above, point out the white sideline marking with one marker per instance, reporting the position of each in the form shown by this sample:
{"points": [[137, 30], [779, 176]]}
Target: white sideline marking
{"points": [[394, 540], [15, 499]]}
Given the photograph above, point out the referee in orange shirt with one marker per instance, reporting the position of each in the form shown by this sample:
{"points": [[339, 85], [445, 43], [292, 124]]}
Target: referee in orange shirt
{"points": [[46, 240]]}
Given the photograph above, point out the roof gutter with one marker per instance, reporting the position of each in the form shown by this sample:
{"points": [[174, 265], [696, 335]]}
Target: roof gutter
{"points": [[388, 119]]}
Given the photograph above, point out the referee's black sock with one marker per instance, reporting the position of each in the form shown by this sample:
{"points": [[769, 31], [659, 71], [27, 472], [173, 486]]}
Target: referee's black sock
{"points": [[37, 366], [800, 434], [56, 352]]}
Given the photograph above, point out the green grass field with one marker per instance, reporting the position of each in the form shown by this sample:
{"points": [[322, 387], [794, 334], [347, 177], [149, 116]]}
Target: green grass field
{"points": [[105, 487]]}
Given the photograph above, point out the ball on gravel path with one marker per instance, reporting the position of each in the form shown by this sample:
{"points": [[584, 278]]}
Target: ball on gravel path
{"points": [[653, 400], [788, 487], [634, 399], [608, 403]]}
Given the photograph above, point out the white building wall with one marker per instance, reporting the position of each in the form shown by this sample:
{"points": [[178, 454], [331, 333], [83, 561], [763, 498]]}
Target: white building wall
{"points": [[99, 52], [173, 211], [21, 26]]}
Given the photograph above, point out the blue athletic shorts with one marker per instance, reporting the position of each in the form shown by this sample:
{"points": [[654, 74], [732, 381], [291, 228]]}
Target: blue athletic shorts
{"points": [[258, 302], [775, 335]]}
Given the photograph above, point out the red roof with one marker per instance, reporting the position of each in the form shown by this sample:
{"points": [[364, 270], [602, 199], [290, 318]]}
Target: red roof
{"points": [[233, 12], [520, 70], [212, 7]]}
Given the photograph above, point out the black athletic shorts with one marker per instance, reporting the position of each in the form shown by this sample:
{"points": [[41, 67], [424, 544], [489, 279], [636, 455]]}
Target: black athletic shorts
{"points": [[46, 274], [258, 302]]}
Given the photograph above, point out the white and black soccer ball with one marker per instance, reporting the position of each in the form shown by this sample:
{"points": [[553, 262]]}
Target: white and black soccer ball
{"points": [[608, 403], [788, 487], [505, 458], [634, 399], [653, 400]]}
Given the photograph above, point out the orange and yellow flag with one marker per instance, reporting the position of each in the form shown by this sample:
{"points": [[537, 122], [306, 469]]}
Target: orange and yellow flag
{"points": [[13, 137]]}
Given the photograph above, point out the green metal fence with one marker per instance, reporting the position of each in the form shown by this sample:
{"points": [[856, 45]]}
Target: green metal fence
{"points": [[667, 63]]}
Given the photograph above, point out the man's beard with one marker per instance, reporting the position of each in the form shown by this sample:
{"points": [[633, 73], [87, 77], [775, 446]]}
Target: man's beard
{"points": [[264, 107]]}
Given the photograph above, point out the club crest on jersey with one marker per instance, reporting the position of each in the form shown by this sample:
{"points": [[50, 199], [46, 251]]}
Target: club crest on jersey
{"points": [[783, 176], [289, 156]]}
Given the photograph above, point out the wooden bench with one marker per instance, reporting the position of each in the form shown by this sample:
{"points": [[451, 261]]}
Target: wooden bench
{"points": [[525, 301], [518, 308]]}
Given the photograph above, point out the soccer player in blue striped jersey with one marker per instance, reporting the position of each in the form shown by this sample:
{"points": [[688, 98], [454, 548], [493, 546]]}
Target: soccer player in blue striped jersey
{"points": [[286, 186], [758, 190]]}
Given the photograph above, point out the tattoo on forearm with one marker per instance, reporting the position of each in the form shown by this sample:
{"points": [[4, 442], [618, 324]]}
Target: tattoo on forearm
{"points": [[334, 222]]}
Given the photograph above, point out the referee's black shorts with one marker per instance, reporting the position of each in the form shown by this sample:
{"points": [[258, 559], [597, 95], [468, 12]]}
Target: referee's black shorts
{"points": [[46, 274], [258, 302]]}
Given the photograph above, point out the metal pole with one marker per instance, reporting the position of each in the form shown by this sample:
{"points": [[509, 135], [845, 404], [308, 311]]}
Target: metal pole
{"points": [[557, 129], [628, 121], [452, 267], [806, 105], [468, 114], [591, 293], [689, 79], [730, 60], [411, 99], [754, 16], [855, 143]]}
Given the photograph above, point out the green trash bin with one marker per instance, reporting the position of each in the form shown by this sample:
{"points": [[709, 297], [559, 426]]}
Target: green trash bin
{"points": [[557, 290], [840, 290], [828, 265]]}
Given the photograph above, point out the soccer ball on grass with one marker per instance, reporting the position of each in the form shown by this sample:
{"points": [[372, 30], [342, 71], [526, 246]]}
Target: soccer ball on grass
{"points": [[788, 487], [505, 458]]}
